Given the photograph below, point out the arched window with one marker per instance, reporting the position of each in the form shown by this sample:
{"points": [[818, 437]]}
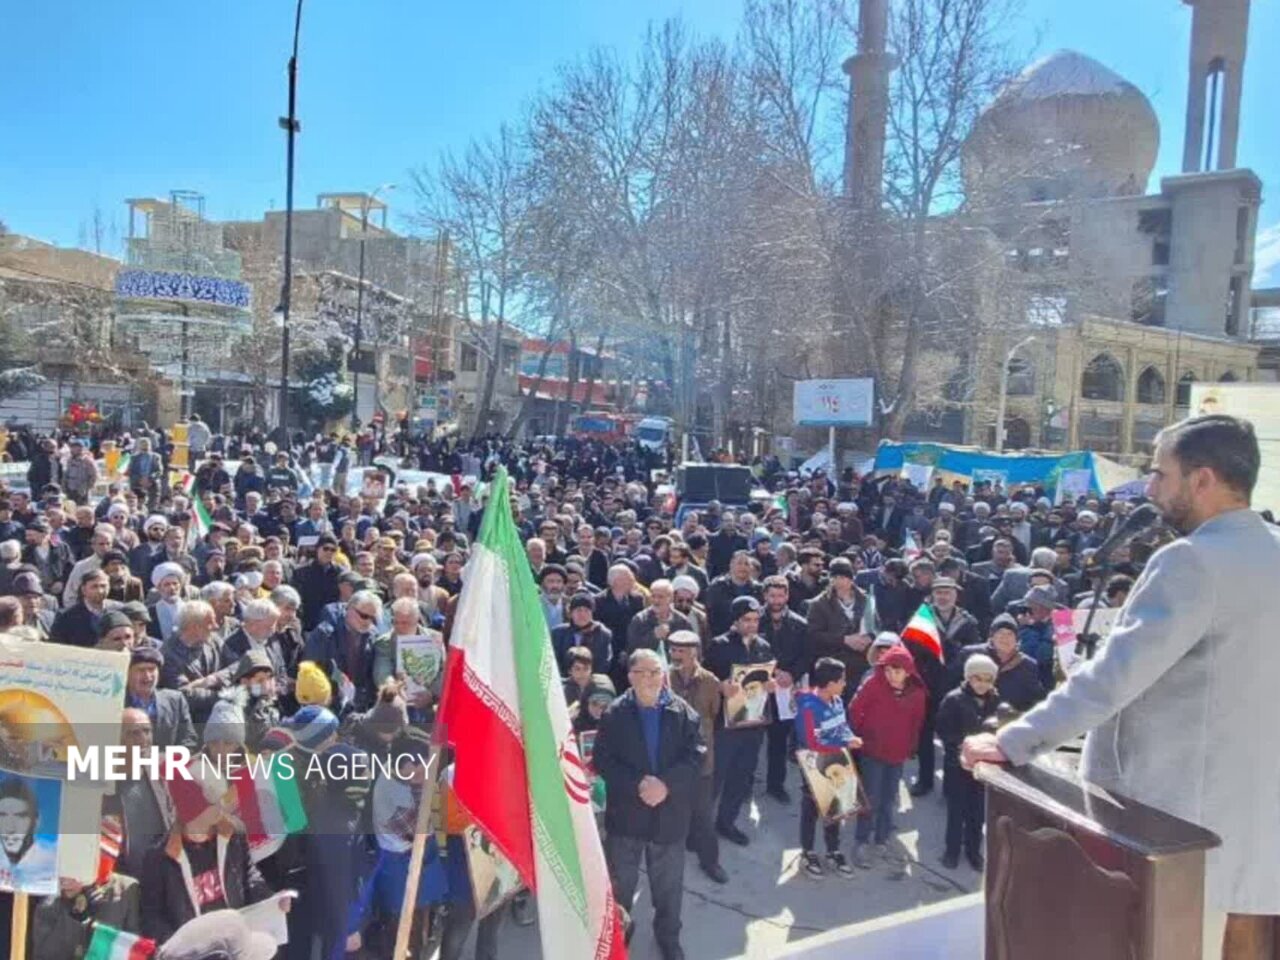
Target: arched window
{"points": [[1183, 398], [1151, 386], [1228, 377], [1103, 379], [1017, 433]]}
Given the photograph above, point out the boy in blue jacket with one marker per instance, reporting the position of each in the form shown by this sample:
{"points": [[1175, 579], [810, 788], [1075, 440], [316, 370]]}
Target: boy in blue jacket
{"points": [[823, 727]]}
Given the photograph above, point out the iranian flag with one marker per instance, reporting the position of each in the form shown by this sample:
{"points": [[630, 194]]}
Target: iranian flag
{"points": [[201, 521], [108, 943], [518, 770], [269, 804], [923, 629]]}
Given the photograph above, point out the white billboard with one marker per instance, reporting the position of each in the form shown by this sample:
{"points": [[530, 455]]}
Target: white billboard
{"points": [[1259, 403], [834, 403]]}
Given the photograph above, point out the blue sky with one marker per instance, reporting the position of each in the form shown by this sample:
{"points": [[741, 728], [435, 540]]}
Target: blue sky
{"points": [[106, 100]]}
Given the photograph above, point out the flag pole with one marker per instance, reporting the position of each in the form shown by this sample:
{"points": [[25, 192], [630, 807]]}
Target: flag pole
{"points": [[18, 926], [416, 855]]}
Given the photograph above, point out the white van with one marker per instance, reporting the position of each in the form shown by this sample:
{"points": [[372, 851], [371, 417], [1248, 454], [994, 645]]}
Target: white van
{"points": [[653, 433]]}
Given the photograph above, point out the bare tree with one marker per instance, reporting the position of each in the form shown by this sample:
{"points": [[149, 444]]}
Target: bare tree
{"points": [[481, 199]]}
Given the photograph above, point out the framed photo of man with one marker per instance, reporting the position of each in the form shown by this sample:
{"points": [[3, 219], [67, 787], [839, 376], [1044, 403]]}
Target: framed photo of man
{"points": [[833, 781], [494, 880], [749, 707]]}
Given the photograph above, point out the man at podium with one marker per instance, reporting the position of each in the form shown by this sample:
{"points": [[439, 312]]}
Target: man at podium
{"points": [[1182, 702]]}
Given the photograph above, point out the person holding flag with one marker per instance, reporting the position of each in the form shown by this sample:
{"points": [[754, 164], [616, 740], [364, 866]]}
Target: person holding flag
{"points": [[504, 713], [923, 640]]}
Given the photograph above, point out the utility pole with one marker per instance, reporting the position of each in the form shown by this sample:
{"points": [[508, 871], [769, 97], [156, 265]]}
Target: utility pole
{"points": [[365, 204], [291, 126], [1004, 390]]}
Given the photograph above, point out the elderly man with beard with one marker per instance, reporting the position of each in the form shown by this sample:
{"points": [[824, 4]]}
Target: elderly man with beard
{"points": [[685, 592], [143, 557], [193, 659], [52, 561], [169, 581], [168, 710], [38, 612], [1187, 681], [653, 626]]}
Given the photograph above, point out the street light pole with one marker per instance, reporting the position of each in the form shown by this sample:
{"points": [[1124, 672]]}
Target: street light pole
{"points": [[365, 204], [291, 126], [1004, 390]]}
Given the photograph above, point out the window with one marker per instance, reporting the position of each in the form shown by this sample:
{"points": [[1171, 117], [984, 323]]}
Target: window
{"points": [[1103, 379], [469, 361], [1151, 386], [1022, 378], [1228, 377], [510, 358], [1183, 398]]}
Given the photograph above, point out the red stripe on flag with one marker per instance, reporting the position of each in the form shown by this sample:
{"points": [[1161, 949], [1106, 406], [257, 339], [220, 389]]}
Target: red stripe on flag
{"points": [[489, 773], [188, 799], [250, 812], [142, 949]]}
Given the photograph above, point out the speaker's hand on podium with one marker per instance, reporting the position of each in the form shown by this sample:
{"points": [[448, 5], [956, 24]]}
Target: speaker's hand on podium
{"points": [[981, 748]]}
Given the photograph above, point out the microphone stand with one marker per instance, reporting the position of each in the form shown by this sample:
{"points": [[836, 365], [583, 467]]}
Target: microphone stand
{"points": [[1086, 640]]}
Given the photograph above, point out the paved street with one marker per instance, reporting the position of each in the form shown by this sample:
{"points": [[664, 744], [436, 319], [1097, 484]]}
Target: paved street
{"points": [[767, 906]]}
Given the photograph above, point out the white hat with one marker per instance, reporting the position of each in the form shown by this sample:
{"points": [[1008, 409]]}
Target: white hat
{"points": [[155, 520], [946, 507], [420, 558], [166, 570], [980, 663], [686, 583], [117, 509]]}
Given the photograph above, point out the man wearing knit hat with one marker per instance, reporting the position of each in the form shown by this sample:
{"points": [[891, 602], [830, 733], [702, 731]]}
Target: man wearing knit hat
{"points": [[168, 710], [115, 631], [970, 708]]}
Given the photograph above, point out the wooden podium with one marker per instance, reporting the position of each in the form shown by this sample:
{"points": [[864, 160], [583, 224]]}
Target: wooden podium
{"points": [[1074, 871]]}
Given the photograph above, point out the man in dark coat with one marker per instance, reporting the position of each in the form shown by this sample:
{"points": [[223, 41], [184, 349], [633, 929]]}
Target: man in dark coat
{"points": [[725, 589], [785, 632], [835, 624], [168, 710], [737, 749], [317, 582], [648, 749], [583, 630], [1018, 681]]}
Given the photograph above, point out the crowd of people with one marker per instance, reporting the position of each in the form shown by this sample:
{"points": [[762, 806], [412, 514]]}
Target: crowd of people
{"points": [[276, 628]]}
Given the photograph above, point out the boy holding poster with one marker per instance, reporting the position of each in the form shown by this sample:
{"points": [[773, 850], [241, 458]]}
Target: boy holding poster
{"points": [[822, 729]]}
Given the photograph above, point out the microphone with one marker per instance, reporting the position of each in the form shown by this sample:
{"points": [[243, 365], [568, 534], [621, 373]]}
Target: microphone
{"points": [[1146, 516]]}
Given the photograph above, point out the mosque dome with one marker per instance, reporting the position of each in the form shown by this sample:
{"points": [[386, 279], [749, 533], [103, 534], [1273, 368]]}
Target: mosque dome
{"points": [[1065, 127]]}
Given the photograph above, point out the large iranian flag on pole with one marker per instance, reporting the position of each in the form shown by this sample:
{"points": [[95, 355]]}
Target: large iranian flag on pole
{"points": [[517, 768]]}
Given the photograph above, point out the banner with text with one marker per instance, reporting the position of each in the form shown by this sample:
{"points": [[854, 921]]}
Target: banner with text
{"points": [[834, 403]]}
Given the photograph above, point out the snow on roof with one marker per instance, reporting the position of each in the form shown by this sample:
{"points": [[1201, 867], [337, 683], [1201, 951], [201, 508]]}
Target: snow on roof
{"points": [[1067, 73]]}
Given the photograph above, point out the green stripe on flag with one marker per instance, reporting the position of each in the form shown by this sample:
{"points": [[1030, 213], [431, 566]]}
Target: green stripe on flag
{"points": [[103, 942], [552, 818], [291, 809]]}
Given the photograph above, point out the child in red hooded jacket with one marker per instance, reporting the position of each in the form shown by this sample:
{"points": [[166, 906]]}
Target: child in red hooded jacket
{"points": [[888, 712]]}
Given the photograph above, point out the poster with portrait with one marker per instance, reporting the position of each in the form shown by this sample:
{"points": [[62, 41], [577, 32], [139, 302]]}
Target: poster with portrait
{"points": [[833, 781], [54, 697], [420, 659], [1069, 624], [749, 707], [30, 808], [494, 880]]}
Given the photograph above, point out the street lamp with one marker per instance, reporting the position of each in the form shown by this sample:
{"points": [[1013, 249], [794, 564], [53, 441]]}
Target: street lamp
{"points": [[365, 204], [291, 126], [1004, 390]]}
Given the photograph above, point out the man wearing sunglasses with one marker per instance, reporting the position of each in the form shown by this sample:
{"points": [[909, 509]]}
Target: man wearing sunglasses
{"points": [[348, 645], [317, 582]]}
